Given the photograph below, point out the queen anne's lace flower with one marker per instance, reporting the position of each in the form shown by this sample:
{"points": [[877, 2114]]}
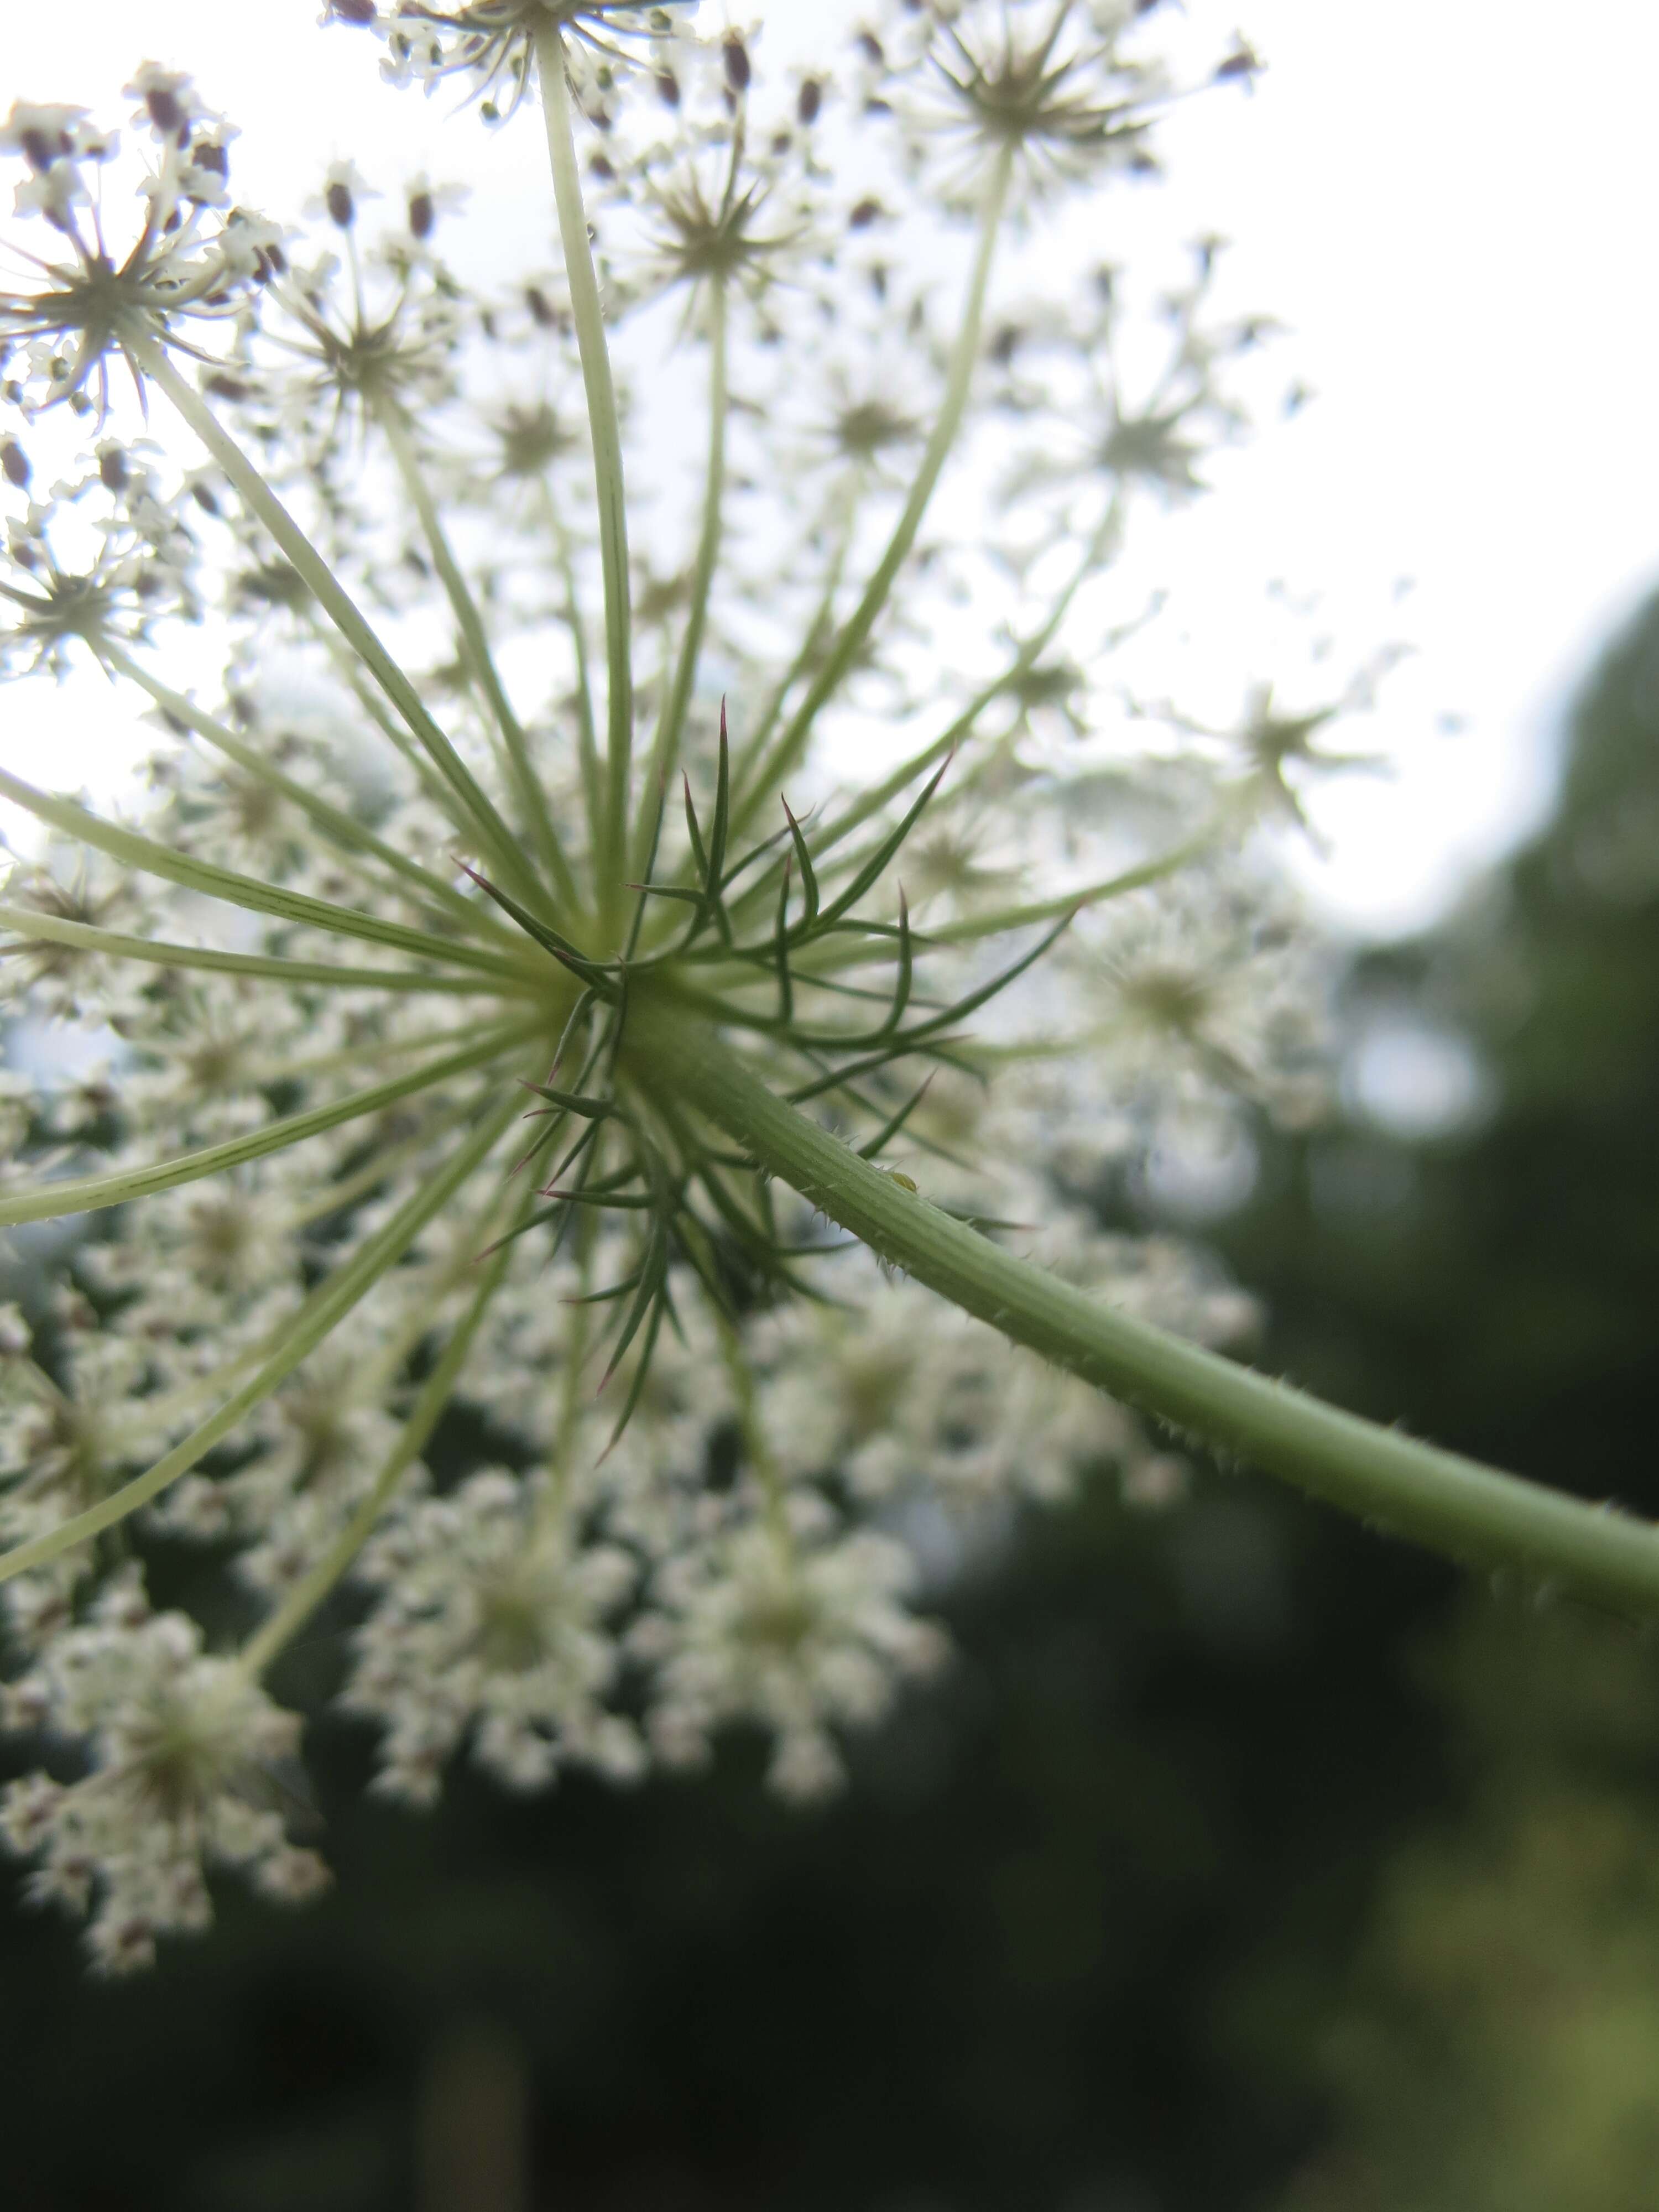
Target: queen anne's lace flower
{"points": [[494, 1621], [387, 1179], [184, 1756], [488, 43], [792, 1634], [182, 264]]}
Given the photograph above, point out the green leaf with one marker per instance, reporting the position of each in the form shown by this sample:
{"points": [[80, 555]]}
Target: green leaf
{"points": [[572, 1102], [890, 1127], [876, 866], [809, 879], [571, 956]]}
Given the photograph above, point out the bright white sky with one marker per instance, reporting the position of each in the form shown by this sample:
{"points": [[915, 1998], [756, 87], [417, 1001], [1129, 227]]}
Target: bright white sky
{"points": [[1449, 202]]}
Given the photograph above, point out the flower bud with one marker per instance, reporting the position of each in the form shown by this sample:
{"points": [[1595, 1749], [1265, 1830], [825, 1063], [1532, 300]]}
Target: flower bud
{"points": [[15, 463], [164, 110], [1241, 64], [735, 56]]}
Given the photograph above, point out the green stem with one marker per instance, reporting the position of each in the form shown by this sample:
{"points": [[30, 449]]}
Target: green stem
{"points": [[387, 1164], [672, 728], [340, 609], [587, 743], [343, 828], [353, 1059], [754, 747], [135, 850], [308, 1593], [964, 354], [294, 975], [856, 952], [49, 1202], [532, 798], [605, 431], [1437, 1497], [348, 669], [1004, 918], [327, 1306], [872, 800], [763, 1459], [572, 1396]]}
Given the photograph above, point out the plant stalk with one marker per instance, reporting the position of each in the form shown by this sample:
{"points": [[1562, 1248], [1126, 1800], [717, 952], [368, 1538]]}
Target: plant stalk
{"points": [[605, 431], [31, 927], [341, 828], [532, 799], [341, 610], [134, 850], [672, 727], [52, 1200], [1389, 1479], [308, 1593], [325, 1307], [965, 354]]}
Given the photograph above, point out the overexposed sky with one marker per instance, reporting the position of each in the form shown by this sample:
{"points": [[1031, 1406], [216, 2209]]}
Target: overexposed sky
{"points": [[1450, 203]]}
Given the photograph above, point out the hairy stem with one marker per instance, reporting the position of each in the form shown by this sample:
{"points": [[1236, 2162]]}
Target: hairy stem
{"points": [[1437, 1497]]}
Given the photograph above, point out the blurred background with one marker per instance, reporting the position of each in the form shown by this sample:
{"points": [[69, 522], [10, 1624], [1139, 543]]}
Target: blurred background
{"points": [[1244, 1859]]}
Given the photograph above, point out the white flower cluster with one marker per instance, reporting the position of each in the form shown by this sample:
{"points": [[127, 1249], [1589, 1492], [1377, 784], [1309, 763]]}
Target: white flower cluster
{"points": [[792, 1632], [493, 1622], [195, 254], [185, 1757], [357, 991]]}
